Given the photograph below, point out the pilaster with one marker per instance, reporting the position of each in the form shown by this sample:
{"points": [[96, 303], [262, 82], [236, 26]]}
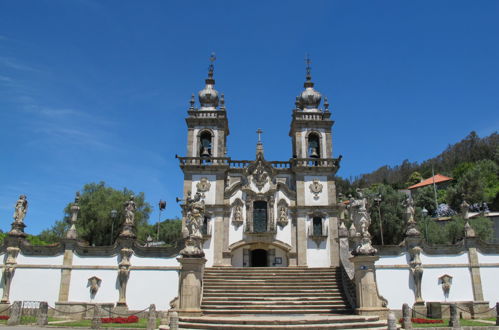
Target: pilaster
{"points": [[66, 270], [301, 240], [476, 279]]}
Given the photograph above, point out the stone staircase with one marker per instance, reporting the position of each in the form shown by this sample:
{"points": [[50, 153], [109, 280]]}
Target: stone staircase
{"points": [[276, 298]]}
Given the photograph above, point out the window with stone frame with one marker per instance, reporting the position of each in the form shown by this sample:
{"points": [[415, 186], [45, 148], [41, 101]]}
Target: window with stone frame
{"points": [[260, 217], [316, 226]]}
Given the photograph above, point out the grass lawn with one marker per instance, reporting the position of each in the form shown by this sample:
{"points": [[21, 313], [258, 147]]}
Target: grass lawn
{"points": [[446, 324]]}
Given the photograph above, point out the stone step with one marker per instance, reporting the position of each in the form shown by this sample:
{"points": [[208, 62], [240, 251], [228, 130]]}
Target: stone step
{"points": [[271, 285], [270, 280], [277, 311], [274, 302], [273, 298], [260, 307], [258, 295], [308, 291]]}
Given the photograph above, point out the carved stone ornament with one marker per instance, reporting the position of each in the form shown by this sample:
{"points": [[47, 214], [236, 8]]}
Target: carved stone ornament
{"points": [[123, 274], [282, 217], [260, 176], [203, 185], [237, 213], [417, 272], [194, 209], [8, 272], [316, 188], [446, 282], [94, 284]]}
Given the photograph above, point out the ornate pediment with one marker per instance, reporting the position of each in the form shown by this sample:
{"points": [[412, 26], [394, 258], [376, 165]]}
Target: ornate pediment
{"points": [[259, 172]]}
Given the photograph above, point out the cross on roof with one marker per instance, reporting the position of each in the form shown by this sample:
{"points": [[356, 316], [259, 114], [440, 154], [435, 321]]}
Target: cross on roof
{"points": [[259, 132]]}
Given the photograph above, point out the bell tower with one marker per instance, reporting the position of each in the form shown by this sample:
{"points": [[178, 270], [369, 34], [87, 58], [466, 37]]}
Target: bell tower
{"points": [[314, 168], [207, 125], [311, 126]]}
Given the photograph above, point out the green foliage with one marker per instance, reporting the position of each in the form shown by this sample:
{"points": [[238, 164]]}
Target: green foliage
{"points": [[425, 198], [452, 231], [95, 223], [170, 232], [392, 214], [414, 178], [479, 183]]}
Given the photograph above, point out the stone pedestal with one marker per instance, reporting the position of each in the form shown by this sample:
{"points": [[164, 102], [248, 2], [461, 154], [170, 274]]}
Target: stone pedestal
{"points": [[419, 310], [369, 301], [190, 286]]}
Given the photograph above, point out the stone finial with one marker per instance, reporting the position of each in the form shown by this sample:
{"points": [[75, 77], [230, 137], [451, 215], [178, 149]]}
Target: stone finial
{"points": [[342, 229], [151, 317], [392, 321], [361, 220], [222, 101], [464, 207], [192, 101], [326, 104], [469, 232], [406, 317], [75, 208]]}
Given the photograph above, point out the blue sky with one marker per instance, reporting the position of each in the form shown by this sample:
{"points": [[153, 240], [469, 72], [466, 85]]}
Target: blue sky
{"points": [[98, 90]]}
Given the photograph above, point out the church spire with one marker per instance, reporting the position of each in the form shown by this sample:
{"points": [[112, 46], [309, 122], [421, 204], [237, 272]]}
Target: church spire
{"points": [[309, 98], [208, 96]]}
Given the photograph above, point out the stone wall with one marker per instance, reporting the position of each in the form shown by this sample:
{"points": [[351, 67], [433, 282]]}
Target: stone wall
{"points": [[62, 274]]}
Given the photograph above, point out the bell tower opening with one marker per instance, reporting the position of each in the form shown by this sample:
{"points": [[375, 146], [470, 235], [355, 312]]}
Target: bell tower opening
{"points": [[259, 258], [260, 216], [314, 150], [205, 144]]}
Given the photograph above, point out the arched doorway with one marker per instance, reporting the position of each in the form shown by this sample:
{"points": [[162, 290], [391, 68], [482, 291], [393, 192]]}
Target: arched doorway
{"points": [[259, 258]]}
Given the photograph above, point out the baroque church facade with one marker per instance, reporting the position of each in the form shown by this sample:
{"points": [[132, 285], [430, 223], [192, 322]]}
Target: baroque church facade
{"points": [[262, 213]]}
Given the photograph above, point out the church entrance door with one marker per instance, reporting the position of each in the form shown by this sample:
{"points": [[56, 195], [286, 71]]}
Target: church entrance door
{"points": [[259, 258]]}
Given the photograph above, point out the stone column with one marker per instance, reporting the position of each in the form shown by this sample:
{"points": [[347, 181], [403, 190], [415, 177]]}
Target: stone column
{"points": [[369, 301], [190, 285]]}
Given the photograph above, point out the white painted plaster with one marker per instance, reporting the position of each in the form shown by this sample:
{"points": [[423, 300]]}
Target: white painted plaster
{"points": [[322, 196], [147, 287], [395, 286], [461, 289], [284, 234], [208, 248], [39, 260], [236, 232], [318, 256], [489, 283], [487, 258], [450, 259], [392, 260], [142, 261], [79, 290], [36, 284], [210, 194], [95, 261], [237, 194]]}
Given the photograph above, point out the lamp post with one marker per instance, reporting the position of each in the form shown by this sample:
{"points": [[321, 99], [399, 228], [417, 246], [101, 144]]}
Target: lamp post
{"points": [[162, 206], [377, 200], [424, 212], [114, 214]]}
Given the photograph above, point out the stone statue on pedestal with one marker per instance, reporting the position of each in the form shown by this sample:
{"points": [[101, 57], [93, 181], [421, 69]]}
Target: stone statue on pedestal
{"points": [[129, 208], [193, 221], [20, 211]]}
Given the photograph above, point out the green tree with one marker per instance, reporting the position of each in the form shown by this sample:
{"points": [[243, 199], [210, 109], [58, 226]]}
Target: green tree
{"points": [[452, 231], [391, 211], [414, 178], [480, 183], [170, 232], [425, 198], [95, 223]]}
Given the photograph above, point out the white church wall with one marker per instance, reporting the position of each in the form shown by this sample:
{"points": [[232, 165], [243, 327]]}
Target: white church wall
{"points": [[93, 261], [461, 289], [284, 234], [489, 283], [236, 232], [79, 290], [317, 256], [208, 249], [154, 262], [211, 193], [36, 284], [237, 258], [450, 259], [322, 197], [394, 285], [147, 287], [39, 260], [392, 260], [488, 258]]}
